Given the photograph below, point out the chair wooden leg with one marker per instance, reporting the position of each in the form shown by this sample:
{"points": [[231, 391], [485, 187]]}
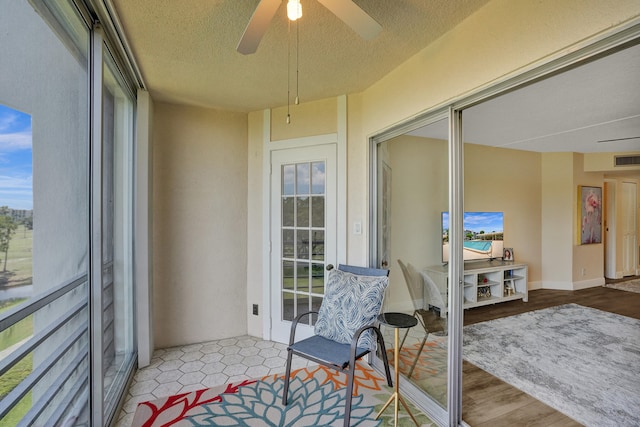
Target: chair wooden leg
{"points": [[287, 374]]}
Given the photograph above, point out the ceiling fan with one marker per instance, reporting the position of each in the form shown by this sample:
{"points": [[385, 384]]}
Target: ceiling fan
{"points": [[346, 10]]}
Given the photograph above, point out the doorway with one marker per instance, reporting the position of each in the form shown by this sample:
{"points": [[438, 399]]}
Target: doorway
{"points": [[303, 229], [522, 157], [629, 223]]}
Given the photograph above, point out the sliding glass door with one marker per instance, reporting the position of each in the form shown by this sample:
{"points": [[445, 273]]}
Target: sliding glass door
{"points": [[44, 129], [501, 179], [66, 302], [117, 229], [412, 194]]}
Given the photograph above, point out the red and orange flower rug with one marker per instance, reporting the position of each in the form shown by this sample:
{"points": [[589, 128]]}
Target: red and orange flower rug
{"points": [[316, 398]]}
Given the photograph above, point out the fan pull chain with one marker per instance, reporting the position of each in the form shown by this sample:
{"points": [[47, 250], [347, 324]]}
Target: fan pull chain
{"points": [[288, 70], [297, 60]]}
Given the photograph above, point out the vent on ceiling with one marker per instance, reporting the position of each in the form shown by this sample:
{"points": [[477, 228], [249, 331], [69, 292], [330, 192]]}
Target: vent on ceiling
{"points": [[626, 160]]}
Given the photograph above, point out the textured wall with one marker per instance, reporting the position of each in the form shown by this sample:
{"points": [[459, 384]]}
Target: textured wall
{"points": [[199, 224]]}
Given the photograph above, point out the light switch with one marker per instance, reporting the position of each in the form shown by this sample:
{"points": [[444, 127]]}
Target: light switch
{"points": [[357, 227]]}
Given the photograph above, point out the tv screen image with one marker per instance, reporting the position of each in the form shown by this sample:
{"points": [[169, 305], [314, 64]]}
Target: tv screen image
{"points": [[483, 235]]}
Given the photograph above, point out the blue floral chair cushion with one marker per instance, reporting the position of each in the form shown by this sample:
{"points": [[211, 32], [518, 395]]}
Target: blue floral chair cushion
{"points": [[350, 302]]}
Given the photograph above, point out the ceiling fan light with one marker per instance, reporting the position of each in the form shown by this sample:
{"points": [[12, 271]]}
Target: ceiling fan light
{"points": [[294, 9]]}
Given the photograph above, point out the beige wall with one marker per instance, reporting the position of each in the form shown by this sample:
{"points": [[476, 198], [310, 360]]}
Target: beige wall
{"points": [[509, 181], [307, 119], [567, 264], [588, 260], [199, 224], [419, 194], [595, 162], [256, 245], [557, 219]]}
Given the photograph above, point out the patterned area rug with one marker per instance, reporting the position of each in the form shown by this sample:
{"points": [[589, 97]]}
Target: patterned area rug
{"points": [[316, 398], [581, 361], [629, 285]]}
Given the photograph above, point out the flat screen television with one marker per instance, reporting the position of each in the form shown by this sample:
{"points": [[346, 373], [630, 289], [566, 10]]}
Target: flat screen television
{"points": [[483, 235]]}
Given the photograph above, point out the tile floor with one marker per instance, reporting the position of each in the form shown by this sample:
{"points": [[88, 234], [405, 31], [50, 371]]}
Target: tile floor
{"points": [[197, 366]]}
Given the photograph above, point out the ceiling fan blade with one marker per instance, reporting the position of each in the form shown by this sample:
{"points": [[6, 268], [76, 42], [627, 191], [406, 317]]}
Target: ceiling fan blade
{"points": [[354, 17], [257, 26]]}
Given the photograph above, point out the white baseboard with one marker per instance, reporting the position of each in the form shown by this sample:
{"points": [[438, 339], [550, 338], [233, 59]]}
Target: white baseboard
{"points": [[560, 286], [573, 286], [532, 286], [591, 283]]}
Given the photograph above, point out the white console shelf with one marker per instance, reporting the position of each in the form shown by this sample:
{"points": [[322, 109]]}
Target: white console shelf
{"points": [[485, 282]]}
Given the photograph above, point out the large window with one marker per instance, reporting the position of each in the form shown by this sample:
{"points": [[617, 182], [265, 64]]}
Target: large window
{"points": [[16, 205], [46, 336], [117, 242], [49, 227]]}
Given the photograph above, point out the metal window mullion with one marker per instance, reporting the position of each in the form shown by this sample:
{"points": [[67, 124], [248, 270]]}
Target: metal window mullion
{"points": [[80, 387], [14, 396], [35, 303], [17, 355], [456, 267], [38, 407], [96, 381]]}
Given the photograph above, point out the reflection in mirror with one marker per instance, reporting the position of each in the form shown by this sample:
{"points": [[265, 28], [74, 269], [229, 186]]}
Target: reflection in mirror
{"points": [[412, 193]]}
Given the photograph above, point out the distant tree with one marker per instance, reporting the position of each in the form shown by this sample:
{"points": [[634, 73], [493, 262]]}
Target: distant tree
{"points": [[7, 230], [28, 223]]}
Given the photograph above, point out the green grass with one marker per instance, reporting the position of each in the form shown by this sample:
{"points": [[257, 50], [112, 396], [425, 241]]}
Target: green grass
{"points": [[15, 333], [19, 272], [18, 412], [15, 375], [19, 260], [19, 371]]}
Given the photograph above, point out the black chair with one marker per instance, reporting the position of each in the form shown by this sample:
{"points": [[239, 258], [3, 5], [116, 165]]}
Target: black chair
{"points": [[354, 341]]}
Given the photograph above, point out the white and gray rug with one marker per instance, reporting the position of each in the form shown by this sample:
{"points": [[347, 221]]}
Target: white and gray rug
{"points": [[581, 361], [628, 285]]}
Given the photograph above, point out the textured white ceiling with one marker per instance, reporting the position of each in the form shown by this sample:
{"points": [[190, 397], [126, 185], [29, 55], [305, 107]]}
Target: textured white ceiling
{"points": [[569, 112], [186, 49]]}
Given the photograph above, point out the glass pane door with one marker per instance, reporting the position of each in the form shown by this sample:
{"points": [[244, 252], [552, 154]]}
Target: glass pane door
{"points": [[412, 193], [303, 230], [117, 242]]}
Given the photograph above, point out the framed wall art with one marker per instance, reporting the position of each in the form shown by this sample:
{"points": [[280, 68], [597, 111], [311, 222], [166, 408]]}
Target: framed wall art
{"points": [[589, 214]]}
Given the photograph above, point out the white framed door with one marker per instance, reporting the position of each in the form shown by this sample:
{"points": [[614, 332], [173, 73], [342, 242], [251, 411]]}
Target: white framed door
{"points": [[610, 229], [629, 224], [303, 230]]}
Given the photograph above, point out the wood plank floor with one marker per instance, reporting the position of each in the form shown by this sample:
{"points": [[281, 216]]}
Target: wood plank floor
{"points": [[488, 401]]}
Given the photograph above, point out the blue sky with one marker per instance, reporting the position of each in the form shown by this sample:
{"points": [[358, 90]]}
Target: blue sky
{"points": [[479, 221], [16, 170]]}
